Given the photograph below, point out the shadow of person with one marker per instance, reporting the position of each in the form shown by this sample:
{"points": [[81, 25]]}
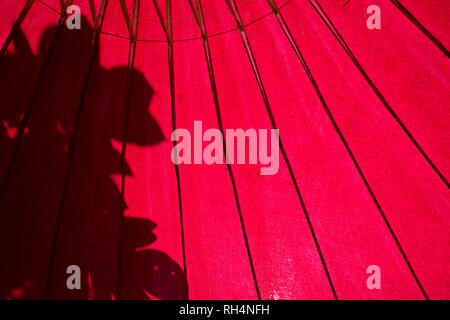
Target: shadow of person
{"points": [[13, 65], [53, 217]]}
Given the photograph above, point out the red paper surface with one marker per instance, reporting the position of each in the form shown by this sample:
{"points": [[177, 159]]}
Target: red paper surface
{"points": [[362, 179]]}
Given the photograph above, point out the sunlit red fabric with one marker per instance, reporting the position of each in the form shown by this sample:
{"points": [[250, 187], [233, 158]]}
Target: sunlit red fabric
{"points": [[91, 182]]}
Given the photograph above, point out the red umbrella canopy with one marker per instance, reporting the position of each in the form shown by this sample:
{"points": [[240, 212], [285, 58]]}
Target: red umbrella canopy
{"points": [[349, 199]]}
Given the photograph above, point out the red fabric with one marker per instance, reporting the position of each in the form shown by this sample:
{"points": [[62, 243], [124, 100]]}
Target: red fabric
{"points": [[91, 183]]}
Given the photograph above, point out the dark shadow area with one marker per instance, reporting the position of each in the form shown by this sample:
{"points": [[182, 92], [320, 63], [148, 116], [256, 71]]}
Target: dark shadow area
{"points": [[35, 206]]}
